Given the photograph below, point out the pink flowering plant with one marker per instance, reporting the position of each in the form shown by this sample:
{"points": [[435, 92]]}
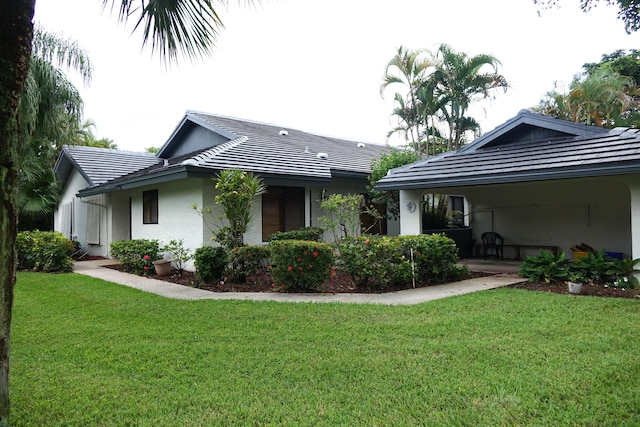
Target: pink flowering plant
{"points": [[300, 265]]}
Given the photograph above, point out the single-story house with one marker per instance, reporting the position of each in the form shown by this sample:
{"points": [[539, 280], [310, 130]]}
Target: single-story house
{"points": [[111, 195], [540, 182]]}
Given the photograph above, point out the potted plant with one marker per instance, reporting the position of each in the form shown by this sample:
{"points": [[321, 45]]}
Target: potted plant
{"points": [[179, 254], [162, 266], [575, 282]]}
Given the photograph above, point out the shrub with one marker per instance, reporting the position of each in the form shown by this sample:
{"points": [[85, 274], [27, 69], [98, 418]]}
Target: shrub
{"points": [[546, 267], [377, 263], [300, 265], [594, 266], [210, 263], [247, 259], [306, 233], [46, 251], [435, 256], [179, 254], [623, 273], [136, 256]]}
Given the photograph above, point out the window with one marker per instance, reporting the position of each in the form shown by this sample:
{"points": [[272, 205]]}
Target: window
{"points": [[150, 207], [93, 222], [282, 210], [457, 206]]}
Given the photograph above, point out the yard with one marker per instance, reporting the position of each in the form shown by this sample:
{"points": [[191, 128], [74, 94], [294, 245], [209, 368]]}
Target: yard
{"points": [[86, 352]]}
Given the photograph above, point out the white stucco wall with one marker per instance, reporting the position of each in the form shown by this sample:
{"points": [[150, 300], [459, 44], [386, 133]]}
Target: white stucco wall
{"points": [[75, 183], [176, 218]]}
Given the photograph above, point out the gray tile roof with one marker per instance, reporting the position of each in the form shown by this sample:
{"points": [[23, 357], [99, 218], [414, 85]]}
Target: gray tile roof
{"points": [[99, 165], [262, 148], [267, 150], [573, 152]]}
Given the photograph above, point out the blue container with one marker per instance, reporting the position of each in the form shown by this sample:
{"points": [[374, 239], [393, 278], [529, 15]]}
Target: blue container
{"points": [[615, 255]]}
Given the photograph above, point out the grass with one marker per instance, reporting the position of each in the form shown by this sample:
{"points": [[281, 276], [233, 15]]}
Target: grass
{"points": [[87, 352]]}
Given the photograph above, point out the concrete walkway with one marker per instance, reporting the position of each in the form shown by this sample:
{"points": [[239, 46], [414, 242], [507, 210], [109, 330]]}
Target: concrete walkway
{"points": [[406, 297]]}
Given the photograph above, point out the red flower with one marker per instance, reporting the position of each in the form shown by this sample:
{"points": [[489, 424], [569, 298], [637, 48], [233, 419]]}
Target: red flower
{"points": [[146, 267], [289, 268], [146, 257], [300, 268], [248, 253], [269, 267], [333, 272], [299, 259], [315, 254], [310, 265], [304, 253], [366, 242], [273, 285]]}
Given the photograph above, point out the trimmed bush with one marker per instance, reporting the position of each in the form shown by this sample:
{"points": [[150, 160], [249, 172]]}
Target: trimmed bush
{"points": [[46, 251], [435, 256], [379, 263], [211, 263], [247, 259], [300, 265], [136, 256], [306, 233]]}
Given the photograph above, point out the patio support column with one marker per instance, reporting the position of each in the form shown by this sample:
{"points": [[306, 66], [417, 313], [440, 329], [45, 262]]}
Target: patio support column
{"points": [[410, 212], [634, 189]]}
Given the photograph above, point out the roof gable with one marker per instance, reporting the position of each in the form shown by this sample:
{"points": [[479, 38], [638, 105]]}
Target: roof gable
{"points": [[514, 154], [528, 126], [204, 144], [99, 165]]}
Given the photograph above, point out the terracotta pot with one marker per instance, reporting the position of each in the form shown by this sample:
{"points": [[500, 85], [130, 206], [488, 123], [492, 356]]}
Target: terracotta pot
{"points": [[163, 267]]}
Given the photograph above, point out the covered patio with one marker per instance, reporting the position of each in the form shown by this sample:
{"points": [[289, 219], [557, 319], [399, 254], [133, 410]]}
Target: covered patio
{"points": [[538, 181]]}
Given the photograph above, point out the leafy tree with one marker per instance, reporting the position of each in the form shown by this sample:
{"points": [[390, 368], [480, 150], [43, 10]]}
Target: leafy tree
{"points": [[380, 168], [629, 12], [189, 27], [623, 62], [602, 98], [237, 189], [86, 137]]}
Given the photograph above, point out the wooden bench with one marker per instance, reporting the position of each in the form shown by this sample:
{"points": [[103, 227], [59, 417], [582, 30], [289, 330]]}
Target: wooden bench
{"points": [[517, 246]]}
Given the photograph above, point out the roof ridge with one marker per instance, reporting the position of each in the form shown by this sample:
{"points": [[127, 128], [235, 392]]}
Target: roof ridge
{"points": [[109, 150], [211, 153]]}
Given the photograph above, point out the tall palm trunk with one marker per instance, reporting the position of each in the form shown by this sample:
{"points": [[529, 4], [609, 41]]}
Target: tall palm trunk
{"points": [[16, 33]]}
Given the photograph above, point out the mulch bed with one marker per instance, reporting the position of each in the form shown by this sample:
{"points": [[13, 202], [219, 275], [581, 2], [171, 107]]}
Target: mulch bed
{"points": [[342, 283], [588, 289]]}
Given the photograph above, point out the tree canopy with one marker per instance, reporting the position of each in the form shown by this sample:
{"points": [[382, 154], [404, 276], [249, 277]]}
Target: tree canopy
{"points": [[602, 95], [629, 10], [434, 93]]}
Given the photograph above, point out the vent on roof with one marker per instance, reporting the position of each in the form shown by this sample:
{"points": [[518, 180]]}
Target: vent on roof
{"points": [[190, 162], [284, 132], [306, 150], [166, 162], [361, 145], [322, 155]]}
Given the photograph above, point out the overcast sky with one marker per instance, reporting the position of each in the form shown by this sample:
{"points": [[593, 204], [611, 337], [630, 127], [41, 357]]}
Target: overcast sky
{"points": [[317, 65]]}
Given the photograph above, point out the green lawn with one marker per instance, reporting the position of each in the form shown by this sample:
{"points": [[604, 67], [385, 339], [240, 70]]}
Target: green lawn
{"points": [[89, 353]]}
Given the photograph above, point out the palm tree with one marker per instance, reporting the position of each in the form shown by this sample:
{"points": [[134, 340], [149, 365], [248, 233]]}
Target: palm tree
{"points": [[409, 69], [189, 27], [604, 98], [49, 110], [460, 80]]}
